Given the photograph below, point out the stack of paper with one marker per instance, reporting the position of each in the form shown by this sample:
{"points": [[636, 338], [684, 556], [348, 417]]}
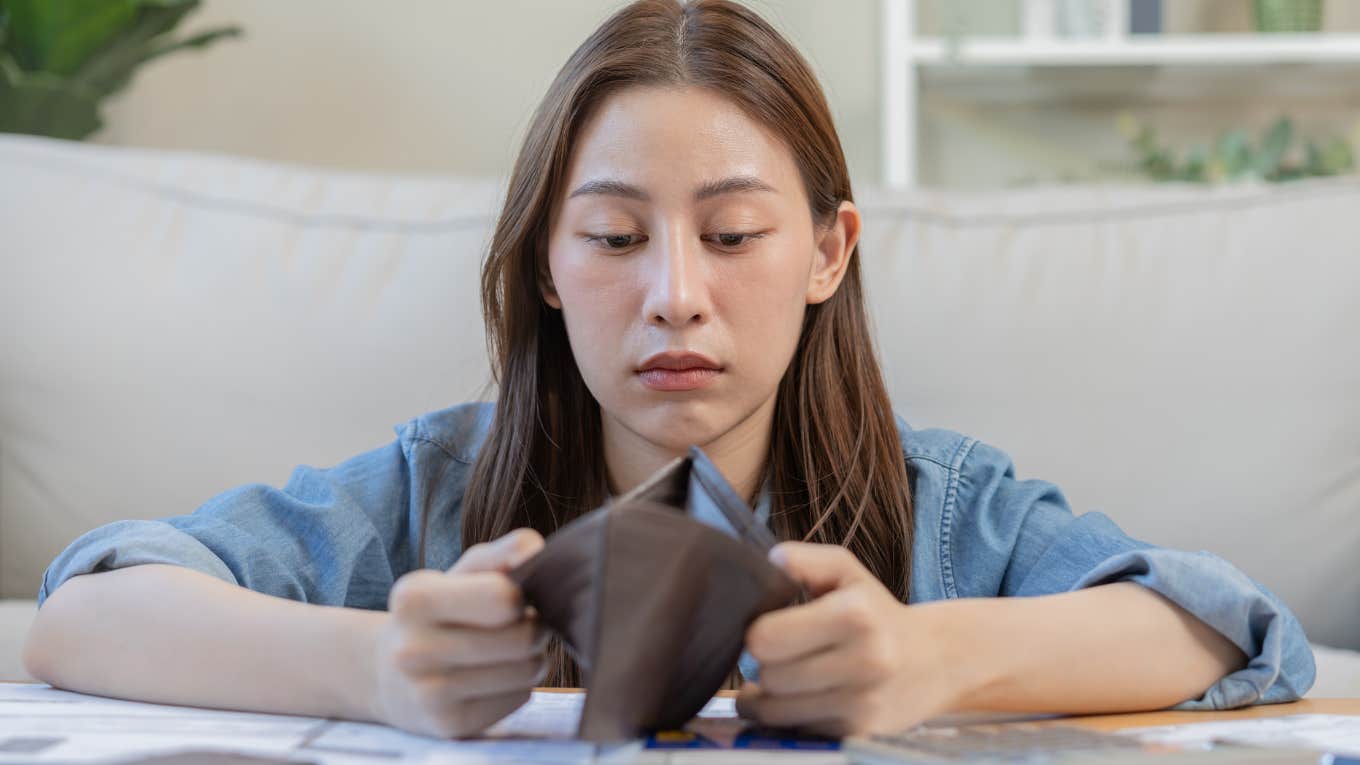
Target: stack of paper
{"points": [[40, 724]]}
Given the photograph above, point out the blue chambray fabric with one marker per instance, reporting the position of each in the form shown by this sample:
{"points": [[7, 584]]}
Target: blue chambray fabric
{"points": [[343, 535]]}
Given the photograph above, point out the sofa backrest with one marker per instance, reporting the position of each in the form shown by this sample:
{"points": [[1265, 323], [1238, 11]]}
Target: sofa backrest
{"points": [[1186, 360]]}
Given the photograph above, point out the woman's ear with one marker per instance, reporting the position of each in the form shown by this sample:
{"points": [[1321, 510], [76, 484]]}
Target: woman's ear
{"points": [[835, 244], [545, 281], [547, 290]]}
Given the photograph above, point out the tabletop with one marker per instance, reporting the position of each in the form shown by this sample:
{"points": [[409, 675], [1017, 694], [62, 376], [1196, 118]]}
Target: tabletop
{"points": [[1336, 706]]}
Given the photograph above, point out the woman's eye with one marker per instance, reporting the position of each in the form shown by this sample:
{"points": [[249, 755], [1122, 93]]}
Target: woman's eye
{"points": [[735, 240], [624, 241], [613, 241]]}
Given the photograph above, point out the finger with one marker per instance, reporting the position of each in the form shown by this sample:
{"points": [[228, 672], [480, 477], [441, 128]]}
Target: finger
{"points": [[838, 667], [801, 709], [461, 684], [474, 715], [797, 631], [482, 599], [831, 728], [819, 567], [435, 648], [866, 725], [500, 554], [749, 690]]}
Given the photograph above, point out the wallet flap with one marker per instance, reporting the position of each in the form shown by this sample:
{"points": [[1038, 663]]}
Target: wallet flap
{"points": [[741, 521], [560, 582], [667, 486]]}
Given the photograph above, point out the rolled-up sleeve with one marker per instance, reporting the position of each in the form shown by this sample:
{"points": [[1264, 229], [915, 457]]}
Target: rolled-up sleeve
{"points": [[1014, 537], [331, 536]]}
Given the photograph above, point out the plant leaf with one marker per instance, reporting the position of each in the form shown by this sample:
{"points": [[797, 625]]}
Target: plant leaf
{"points": [[40, 103], [1273, 147], [1232, 157], [81, 51], [1337, 157], [1234, 152], [1313, 163], [198, 41], [110, 68], [1195, 164], [56, 35]]}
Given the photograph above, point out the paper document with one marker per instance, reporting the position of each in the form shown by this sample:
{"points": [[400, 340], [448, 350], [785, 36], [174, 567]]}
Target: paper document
{"points": [[40, 724], [1335, 734]]}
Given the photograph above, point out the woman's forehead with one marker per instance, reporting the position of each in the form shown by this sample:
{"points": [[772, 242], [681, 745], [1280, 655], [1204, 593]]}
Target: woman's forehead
{"points": [[677, 143]]}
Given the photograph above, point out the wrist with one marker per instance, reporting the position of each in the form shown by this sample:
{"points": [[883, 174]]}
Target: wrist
{"points": [[357, 690], [977, 651]]}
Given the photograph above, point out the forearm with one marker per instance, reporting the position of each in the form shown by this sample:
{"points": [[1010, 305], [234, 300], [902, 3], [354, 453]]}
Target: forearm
{"points": [[173, 635], [1114, 648]]}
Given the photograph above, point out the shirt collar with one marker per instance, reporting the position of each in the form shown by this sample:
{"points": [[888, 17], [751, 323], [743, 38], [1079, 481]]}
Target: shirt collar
{"points": [[762, 508]]}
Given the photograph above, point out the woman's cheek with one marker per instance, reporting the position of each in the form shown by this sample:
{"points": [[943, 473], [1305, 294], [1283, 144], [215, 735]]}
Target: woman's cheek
{"points": [[770, 311], [598, 345]]}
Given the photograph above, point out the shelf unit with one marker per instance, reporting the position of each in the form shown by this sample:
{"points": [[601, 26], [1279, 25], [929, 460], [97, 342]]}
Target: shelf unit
{"points": [[907, 60]]}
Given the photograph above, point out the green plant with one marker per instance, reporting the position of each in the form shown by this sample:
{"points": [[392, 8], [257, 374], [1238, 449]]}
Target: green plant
{"points": [[59, 59], [1233, 157], [1287, 15]]}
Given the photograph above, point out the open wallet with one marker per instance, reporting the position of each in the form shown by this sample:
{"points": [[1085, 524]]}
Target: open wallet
{"points": [[652, 594]]}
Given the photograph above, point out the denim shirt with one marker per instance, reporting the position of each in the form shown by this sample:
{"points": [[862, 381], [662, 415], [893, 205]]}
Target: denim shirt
{"points": [[343, 535]]}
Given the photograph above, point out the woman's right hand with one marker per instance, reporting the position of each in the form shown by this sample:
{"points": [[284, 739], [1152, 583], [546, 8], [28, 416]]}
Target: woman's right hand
{"points": [[459, 649]]}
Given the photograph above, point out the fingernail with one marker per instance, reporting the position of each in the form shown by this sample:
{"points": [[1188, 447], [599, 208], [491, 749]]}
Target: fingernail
{"points": [[779, 556], [513, 541]]}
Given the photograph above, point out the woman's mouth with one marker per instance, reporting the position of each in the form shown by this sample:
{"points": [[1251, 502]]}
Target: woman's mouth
{"points": [[678, 371]]}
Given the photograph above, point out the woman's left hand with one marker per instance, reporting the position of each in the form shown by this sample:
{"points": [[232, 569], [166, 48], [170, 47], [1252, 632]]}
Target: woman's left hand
{"points": [[855, 660]]}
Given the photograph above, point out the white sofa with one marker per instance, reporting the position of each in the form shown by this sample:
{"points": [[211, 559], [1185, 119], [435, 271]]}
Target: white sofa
{"points": [[1186, 360]]}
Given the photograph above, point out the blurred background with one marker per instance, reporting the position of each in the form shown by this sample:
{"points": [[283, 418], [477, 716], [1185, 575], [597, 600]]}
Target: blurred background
{"points": [[968, 94]]}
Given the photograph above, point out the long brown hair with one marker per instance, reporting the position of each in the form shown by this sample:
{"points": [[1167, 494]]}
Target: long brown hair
{"points": [[835, 465]]}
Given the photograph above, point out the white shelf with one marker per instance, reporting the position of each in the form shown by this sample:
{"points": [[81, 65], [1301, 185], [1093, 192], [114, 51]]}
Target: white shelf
{"points": [[995, 68], [1151, 50]]}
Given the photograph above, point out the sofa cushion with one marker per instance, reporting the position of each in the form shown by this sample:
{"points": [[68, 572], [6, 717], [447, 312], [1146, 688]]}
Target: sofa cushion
{"points": [[1186, 360], [1338, 674], [179, 324]]}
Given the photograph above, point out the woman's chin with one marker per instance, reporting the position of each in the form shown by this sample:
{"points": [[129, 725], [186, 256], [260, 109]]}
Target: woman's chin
{"points": [[675, 426]]}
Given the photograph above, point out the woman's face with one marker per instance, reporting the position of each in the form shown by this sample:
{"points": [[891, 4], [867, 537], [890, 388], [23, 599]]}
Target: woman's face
{"points": [[684, 229]]}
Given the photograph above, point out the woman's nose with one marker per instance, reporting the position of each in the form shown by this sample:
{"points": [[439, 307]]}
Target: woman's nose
{"points": [[677, 290]]}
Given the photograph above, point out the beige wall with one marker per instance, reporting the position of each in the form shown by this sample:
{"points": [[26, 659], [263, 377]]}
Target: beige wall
{"points": [[447, 86], [429, 85]]}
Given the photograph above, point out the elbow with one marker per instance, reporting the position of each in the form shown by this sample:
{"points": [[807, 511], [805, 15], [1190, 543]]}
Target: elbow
{"points": [[36, 657], [1282, 672], [1286, 663], [49, 640], [1298, 669]]}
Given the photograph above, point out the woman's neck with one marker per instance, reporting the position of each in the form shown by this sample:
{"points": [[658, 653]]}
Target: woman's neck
{"points": [[739, 453]]}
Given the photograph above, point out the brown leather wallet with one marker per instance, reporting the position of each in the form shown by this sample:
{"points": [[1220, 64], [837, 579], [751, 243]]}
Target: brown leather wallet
{"points": [[652, 594]]}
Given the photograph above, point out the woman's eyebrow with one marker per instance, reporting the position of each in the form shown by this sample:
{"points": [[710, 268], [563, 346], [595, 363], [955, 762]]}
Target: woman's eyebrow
{"points": [[614, 187]]}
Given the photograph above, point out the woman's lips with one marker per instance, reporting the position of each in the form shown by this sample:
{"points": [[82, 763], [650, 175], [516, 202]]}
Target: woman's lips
{"points": [[678, 370], [692, 378]]}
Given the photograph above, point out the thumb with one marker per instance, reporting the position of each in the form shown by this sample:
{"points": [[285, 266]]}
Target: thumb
{"points": [[500, 554], [820, 568], [746, 696]]}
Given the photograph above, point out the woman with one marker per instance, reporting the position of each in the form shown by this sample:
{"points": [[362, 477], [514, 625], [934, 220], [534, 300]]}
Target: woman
{"points": [[675, 264]]}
